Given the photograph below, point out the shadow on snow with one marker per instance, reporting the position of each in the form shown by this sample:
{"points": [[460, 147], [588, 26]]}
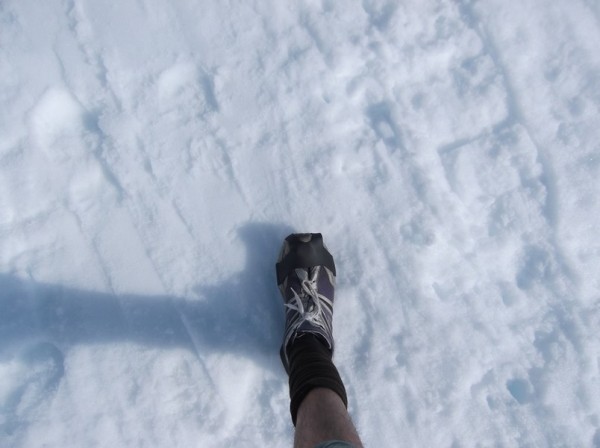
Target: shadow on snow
{"points": [[241, 315]]}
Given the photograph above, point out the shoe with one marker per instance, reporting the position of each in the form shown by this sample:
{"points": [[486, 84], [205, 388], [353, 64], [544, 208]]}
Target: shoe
{"points": [[306, 279]]}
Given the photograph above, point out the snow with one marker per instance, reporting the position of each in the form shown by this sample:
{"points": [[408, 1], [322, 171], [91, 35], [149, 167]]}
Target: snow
{"points": [[155, 154]]}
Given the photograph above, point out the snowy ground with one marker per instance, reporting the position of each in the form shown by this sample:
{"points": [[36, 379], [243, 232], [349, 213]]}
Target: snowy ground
{"points": [[153, 155]]}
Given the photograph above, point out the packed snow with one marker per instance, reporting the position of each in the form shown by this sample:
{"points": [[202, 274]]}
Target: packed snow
{"points": [[153, 156]]}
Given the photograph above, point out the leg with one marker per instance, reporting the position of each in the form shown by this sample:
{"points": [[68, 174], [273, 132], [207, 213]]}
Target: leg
{"points": [[322, 416], [318, 402]]}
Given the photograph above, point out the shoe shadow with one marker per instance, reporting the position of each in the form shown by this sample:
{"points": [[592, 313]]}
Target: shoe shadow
{"points": [[242, 315]]}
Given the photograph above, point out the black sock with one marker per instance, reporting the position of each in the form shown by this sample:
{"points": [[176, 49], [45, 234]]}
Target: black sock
{"points": [[311, 367]]}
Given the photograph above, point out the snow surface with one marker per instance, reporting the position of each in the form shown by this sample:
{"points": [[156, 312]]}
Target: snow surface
{"points": [[153, 155]]}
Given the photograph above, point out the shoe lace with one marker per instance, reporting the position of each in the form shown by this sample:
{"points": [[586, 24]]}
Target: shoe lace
{"points": [[308, 303]]}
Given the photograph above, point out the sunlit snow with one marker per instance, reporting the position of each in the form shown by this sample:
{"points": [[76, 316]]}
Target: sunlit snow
{"points": [[153, 156]]}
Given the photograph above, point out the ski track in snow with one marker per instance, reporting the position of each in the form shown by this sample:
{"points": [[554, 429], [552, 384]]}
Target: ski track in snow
{"points": [[154, 156]]}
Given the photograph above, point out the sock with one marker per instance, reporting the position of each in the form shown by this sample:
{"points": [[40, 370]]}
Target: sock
{"points": [[311, 366]]}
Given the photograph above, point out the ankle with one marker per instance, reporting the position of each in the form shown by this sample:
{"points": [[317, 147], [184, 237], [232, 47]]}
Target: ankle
{"points": [[311, 367]]}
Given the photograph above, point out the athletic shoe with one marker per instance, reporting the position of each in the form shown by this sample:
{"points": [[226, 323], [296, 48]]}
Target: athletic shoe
{"points": [[306, 279]]}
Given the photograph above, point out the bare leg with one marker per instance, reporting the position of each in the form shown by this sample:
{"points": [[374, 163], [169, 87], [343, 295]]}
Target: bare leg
{"points": [[322, 416]]}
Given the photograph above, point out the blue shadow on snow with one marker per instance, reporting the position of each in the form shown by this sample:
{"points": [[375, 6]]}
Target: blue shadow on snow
{"points": [[241, 315]]}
